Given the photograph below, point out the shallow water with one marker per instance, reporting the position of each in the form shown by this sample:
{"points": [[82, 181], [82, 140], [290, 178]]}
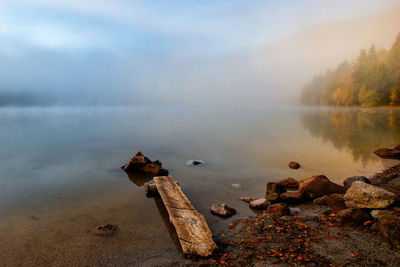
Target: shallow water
{"points": [[60, 176]]}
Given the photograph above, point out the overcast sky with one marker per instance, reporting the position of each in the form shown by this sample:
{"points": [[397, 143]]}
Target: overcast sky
{"points": [[77, 45]]}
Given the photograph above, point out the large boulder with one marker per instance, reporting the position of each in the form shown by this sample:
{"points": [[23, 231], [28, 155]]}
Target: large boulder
{"points": [[352, 217], [318, 186], [389, 226], [141, 164], [289, 183], [260, 204], [335, 202], [294, 165], [292, 197], [349, 180], [362, 195], [279, 209], [388, 153], [222, 210]]}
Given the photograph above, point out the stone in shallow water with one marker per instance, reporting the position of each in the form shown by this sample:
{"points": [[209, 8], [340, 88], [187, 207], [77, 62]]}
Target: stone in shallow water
{"points": [[247, 199], [261, 204], [222, 210], [194, 162], [237, 186], [362, 195], [105, 230], [294, 165]]}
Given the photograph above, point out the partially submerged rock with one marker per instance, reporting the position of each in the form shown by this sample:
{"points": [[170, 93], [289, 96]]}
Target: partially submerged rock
{"points": [[318, 186], [289, 183], [352, 217], [349, 180], [260, 204], [222, 210], [388, 153], [141, 164], [237, 186], [247, 199], [105, 230], [362, 195], [294, 165], [279, 209], [194, 162]]}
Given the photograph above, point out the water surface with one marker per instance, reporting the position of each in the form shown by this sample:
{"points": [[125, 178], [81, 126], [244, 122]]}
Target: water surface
{"points": [[60, 176]]}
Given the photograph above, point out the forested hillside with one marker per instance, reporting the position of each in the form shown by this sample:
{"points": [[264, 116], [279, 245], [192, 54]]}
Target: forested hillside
{"points": [[373, 79]]}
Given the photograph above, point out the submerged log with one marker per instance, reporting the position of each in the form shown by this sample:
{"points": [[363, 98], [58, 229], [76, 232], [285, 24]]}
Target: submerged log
{"points": [[193, 233]]}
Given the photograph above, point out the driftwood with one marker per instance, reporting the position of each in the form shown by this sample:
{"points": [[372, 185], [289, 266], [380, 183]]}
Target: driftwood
{"points": [[193, 233]]}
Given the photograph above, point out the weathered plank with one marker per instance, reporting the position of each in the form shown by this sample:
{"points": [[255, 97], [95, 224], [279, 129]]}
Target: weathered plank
{"points": [[193, 233]]}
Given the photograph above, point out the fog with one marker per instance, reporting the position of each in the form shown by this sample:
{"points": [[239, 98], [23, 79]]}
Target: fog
{"points": [[225, 53]]}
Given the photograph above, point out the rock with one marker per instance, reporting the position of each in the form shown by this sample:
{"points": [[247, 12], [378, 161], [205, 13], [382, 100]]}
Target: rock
{"points": [[247, 199], [389, 227], [335, 202], [272, 197], [279, 209], [318, 186], [289, 183], [140, 163], [237, 186], [151, 190], [347, 183], [105, 230], [291, 197], [222, 210], [397, 147], [260, 204], [294, 165], [352, 217], [194, 162], [393, 186], [362, 195], [275, 188], [320, 200], [388, 153]]}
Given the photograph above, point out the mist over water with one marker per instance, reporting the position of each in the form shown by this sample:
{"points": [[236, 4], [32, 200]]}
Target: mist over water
{"points": [[61, 177]]}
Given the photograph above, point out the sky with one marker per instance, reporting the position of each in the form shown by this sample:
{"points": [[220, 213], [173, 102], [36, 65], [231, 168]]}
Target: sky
{"points": [[119, 51]]}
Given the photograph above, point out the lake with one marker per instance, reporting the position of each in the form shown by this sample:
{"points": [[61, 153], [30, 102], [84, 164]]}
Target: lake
{"points": [[60, 173]]}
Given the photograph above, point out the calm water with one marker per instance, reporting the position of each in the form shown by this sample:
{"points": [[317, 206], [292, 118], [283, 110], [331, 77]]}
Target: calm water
{"points": [[60, 176]]}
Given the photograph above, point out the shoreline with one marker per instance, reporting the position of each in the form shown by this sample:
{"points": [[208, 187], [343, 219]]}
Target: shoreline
{"points": [[311, 236]]}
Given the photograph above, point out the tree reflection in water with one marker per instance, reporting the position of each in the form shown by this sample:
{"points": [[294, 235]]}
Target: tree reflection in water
{"points": [[359, 131]]}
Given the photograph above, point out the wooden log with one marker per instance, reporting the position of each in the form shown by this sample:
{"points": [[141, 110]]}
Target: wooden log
{"points": [[193, 233]]}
